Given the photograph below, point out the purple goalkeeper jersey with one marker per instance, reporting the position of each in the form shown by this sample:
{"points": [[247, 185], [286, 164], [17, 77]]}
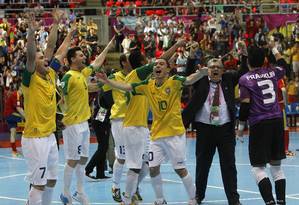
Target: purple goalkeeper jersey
{"points": [[260, 85]]}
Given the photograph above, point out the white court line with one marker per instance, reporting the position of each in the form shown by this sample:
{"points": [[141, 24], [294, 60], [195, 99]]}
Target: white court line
{"points": [[167, 164], [15, 175], [14, 158], [21, 159], [293, 194], [239, 190]]}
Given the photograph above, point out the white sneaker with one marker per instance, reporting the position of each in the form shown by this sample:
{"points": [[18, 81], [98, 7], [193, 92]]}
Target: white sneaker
{"points": [[192, 202], [81, 198]]}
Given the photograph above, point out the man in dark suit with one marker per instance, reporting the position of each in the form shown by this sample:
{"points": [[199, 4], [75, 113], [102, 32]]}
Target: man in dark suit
{"points": [[212, 109]]}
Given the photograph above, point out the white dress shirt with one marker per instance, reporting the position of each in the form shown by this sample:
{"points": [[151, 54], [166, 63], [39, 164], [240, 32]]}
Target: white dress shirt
{"points": [[203, 115]]}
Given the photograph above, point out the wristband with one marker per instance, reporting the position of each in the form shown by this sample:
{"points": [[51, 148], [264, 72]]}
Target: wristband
{"points": [[55, 64]]}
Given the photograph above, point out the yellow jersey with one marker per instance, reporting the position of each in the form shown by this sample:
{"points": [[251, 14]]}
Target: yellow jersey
{"points": [[75, 91], [165, 103], [39, 104], [295, 56], [119, 108], [138, 107]]}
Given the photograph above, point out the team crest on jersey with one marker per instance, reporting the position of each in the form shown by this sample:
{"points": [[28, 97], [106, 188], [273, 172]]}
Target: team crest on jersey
{"points": [[167, 90]]}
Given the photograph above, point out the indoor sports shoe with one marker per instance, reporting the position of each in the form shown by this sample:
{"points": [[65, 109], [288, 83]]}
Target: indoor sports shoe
{"points": [[137, 196], [160, 202], [116, 195], [81, 198], [66, 200], [127, 201], [91, 178]]}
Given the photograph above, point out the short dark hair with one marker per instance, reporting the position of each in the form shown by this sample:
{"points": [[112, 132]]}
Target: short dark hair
{"points": [[72, 53], [256, 56], [135, 59]]}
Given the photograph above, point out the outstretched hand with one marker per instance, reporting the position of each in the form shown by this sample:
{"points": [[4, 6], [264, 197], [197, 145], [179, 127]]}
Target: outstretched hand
{"points": [[203, 70], [33, 25], [57, 15], [242, 48], [181, 42], [102, 77], [271, 43]]}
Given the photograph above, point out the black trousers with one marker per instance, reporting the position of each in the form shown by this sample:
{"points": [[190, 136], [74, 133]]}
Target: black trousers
{"points": [[118, 40], [210, 137], [98, 159]]}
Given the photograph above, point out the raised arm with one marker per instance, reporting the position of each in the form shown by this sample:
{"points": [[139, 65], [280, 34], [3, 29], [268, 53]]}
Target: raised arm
{"points": [[102, 77], [63, 48], [31, 46], [278, 57], [101, 58], [196, 76], [57, 15], [168, 54]]}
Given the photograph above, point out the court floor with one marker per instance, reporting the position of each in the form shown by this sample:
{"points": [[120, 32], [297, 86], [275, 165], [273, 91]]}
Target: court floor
{"points": [[13, 188]]}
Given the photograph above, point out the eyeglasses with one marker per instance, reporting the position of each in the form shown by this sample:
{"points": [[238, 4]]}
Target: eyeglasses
{"points": [[215, 67]]}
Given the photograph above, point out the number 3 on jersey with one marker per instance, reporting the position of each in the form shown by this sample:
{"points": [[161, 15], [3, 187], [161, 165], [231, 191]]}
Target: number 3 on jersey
{"points": [[269, 90]]}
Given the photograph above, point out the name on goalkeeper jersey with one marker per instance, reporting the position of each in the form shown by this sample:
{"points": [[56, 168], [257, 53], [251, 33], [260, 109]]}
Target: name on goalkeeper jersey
{"points": [[261, 76]]}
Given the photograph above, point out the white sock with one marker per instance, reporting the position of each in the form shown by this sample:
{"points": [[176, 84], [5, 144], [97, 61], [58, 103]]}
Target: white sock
{"points": [[117, 172], [157, 186], [131, 185], [47, 195], [143, 173], [80, 172], [189, 186], [67, 179], [35, 196]]}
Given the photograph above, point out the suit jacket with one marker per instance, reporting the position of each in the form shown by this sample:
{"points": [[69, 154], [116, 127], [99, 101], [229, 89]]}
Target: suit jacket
{"points": [[229, 81]]}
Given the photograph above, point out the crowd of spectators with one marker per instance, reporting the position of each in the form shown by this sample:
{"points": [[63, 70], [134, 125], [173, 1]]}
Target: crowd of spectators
{"points": [[20, 4], [208, 38], [194, 7], [212, 36]]}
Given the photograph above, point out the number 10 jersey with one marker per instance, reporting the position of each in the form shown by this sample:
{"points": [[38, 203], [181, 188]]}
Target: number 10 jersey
{"points": [[165, 104], [261, 86]]}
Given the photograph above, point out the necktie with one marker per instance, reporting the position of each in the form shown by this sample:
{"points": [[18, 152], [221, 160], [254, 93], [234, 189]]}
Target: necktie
{"points": [[214, 115]]}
